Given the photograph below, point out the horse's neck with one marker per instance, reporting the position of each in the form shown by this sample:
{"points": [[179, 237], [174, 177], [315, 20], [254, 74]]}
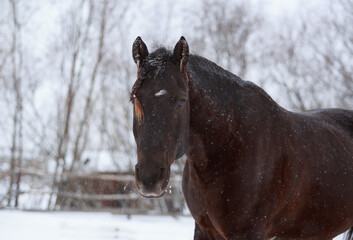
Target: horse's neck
{"points": [[224, 113], [213, 118], [213, 93]]}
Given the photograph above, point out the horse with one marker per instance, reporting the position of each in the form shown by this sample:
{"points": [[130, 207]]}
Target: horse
{"points": [[254, 170]]}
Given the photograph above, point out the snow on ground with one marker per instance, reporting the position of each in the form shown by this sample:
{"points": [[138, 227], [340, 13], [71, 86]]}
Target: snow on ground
{"points": [[19, 225]]}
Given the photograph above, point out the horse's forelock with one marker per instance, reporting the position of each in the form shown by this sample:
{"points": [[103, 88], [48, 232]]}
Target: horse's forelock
{"points": [[158, 57], [137, 106], [138, 111]]}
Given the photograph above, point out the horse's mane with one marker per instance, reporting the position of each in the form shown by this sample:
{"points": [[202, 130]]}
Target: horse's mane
{"points": [[201, 64], [226, 88]]}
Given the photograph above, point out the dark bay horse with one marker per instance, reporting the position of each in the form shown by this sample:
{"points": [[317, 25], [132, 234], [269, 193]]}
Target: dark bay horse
{"points": [[254, 170]]}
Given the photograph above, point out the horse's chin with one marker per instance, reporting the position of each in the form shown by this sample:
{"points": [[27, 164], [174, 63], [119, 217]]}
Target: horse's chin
{"points": [[153, 195]]}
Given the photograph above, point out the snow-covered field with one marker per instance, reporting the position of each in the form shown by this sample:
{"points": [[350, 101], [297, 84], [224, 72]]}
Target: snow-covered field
{"points": [[19, 225]]}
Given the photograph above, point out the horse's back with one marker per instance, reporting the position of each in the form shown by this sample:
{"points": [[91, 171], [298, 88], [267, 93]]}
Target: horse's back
{"points": [[341, 118]]}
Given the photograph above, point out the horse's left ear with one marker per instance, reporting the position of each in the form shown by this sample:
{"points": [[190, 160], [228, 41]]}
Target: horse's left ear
{"points": [[181, 53]]}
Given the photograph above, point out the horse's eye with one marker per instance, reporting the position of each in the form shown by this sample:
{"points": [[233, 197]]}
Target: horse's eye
{"points": [[132, 100], [181, 102]]}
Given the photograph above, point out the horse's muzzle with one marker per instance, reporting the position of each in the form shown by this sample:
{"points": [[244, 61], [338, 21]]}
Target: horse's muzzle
{"points": [[151, 183]]}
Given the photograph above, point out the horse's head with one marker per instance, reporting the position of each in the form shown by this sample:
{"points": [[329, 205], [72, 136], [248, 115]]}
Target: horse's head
{"points": [[161, 113]]}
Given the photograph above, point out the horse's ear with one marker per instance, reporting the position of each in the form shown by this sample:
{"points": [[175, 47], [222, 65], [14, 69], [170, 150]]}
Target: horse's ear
{"points": [[181, 53], [139, 51]]}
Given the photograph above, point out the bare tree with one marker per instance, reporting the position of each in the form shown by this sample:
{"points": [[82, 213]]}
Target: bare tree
{"points": [[335, 53], [310, 59], [17, 88], [226, 28], [73, 65], [17, 134], [114, 118], [283, 66], [85, 55]]}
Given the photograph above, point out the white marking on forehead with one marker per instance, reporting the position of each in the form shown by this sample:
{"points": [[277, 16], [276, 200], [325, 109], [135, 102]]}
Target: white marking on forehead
{"points": [[161, 92]]}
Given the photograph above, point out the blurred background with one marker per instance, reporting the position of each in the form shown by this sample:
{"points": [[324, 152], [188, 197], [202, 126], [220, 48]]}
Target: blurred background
{"points": [[66, 72]]}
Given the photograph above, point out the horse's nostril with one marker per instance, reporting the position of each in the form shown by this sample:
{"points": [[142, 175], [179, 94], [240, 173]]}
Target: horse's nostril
{"points": [[137, 172]]}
